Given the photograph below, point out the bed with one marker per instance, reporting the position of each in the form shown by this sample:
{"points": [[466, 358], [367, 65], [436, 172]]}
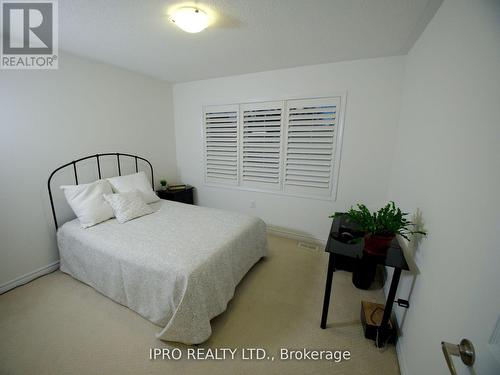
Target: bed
{"points": [[177, 267]]}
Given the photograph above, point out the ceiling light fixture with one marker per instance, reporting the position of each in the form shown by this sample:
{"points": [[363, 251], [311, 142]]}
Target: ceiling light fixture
{"points": [[191, 20]]}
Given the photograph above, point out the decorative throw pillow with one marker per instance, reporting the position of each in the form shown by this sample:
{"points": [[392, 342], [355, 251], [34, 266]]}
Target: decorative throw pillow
{"points": [[87, 202], [128, 206], [131, 182]]}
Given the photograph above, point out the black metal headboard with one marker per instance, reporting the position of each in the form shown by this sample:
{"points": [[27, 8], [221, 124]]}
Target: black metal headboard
{"points": [[97, 157]]}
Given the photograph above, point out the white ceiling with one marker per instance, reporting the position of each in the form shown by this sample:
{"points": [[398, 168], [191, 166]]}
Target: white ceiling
{"points": [[246, 35]]}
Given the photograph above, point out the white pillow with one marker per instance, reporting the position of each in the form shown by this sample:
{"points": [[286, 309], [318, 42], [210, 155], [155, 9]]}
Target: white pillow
{"points": [[87, 202], [128, 206], [131, 182]]}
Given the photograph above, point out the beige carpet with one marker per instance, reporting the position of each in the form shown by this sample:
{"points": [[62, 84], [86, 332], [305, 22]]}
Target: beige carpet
{"points": [[57, 325]]}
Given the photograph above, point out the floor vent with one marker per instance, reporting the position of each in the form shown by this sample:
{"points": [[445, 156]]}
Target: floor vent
{"points": [[307, 246]]}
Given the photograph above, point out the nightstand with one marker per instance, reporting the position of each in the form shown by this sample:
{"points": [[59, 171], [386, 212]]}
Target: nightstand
{"points": [[183, 195]]}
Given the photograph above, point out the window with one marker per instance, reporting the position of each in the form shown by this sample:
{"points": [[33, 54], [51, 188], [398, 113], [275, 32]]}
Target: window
{"points": [[310, 146], [261, 144], [287, 146], [221, 145]]}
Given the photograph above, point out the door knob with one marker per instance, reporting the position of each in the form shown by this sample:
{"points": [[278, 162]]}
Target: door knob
{"points": [[464, 350]]}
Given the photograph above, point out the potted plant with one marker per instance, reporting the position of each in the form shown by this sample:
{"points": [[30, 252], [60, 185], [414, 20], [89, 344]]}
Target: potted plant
{"points": [[381, 227], [163, 184]]}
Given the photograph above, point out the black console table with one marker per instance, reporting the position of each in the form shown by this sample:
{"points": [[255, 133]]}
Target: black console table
{"points": [[339, 250]]}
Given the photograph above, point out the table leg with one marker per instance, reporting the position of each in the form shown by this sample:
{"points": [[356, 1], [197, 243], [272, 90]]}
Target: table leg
{"points": [[328, 290], [382, 330]]}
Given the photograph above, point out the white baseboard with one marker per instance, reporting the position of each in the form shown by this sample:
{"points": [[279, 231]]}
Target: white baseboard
{"points": [[294, 235], [403, 369], [29, 277]]}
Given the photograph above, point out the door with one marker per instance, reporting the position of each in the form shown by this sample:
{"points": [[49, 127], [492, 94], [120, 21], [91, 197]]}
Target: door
{"points": [[464, 354]]}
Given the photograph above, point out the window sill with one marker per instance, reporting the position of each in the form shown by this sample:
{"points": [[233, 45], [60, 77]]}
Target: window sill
{"points": [[331, 198]]}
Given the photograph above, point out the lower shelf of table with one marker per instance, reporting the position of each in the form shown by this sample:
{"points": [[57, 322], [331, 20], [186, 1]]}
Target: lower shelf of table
{"points": [[371, 317]]}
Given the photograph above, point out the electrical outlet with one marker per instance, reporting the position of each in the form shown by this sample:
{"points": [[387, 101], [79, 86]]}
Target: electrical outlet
{"points": [[252, 204]]}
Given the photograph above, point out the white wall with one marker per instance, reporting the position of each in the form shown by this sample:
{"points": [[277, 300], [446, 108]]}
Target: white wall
{"points": [[51, 117], [447, 164], [373, 89]]}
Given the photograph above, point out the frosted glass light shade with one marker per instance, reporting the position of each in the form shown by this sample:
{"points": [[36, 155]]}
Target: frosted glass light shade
{"points": [[191, 20]]}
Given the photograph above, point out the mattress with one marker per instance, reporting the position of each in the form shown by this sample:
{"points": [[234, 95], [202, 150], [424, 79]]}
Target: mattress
{"points": [[177, 267]]}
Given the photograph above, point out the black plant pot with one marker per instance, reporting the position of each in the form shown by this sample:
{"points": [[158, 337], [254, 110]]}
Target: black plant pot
{"points": [[364, 272]]}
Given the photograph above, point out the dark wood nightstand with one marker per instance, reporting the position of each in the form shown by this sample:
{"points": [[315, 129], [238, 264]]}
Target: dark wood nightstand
{"points": [[183, 196]]}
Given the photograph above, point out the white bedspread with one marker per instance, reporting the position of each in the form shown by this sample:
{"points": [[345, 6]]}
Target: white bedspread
{"points": [[177, 267]]}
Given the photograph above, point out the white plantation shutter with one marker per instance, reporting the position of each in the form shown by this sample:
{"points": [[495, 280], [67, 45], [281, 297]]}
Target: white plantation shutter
{"points": [[221, 144], [287, 146], [261, 144], [310, 146]]}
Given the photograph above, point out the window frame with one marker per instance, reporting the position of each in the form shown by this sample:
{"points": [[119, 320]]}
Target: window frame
{"points": [[341, 95]]}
